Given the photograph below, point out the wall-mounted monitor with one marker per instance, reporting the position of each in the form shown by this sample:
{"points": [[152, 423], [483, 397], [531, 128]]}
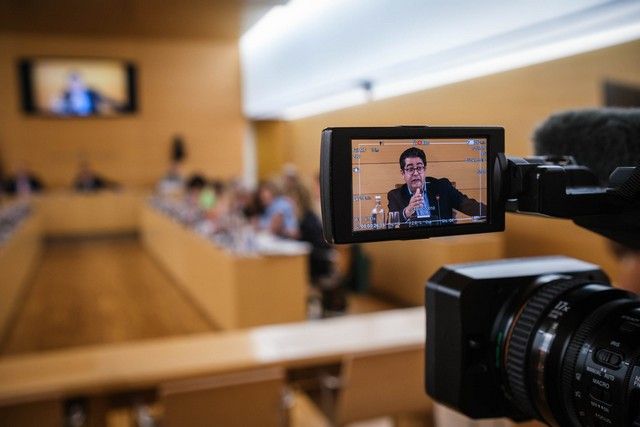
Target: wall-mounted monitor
{"points": [[77, 87], [617, 94]]}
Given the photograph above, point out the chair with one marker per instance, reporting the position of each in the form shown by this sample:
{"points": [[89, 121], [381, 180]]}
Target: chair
{"points": [[382, 383], [46, 413], [241, 399], [446, 417]]}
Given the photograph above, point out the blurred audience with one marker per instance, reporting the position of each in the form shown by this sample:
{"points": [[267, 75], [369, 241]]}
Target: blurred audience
{"points": [[23, 183], [290, 178], [323, 273], [195, 184], [87, 180], [208, 197], [194, 187], [310, 230], [231, 214], [277, 212], [172, 183]]}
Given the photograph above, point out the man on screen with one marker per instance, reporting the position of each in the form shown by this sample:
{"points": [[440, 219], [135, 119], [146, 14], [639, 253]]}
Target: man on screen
{"points": [[426, 198], [79, 99]]}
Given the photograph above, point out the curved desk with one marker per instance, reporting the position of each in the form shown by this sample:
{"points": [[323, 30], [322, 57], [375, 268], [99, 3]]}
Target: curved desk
{"points": [[68, 213], [18, 257], [232, 290]]}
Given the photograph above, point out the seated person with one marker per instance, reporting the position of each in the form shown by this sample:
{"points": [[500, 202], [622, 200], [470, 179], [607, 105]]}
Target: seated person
{"points": [[427, 198], [195, 185], [172, 182], [87, 180], [79, 99], [278, 213], [321, 258], [24, 182]]}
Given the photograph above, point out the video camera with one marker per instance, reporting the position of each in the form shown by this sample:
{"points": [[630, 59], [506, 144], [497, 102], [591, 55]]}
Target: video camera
{"points": [[545, 338]]}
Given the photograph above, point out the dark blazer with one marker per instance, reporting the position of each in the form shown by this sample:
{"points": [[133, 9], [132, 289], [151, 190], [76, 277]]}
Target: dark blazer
{"points": [[443, 199], [320, 263], [93, 183], [94, 101]]}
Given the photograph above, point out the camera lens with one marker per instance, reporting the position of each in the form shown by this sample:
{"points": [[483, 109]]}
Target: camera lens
{"points": [[569, 353]]}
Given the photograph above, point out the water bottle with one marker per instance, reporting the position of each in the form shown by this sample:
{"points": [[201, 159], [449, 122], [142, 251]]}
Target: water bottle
{"points": [[377, 215]]}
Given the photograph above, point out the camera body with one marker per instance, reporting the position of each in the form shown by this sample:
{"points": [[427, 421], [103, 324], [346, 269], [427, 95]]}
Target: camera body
{"points": [[545, 338], [464, 350], [360, 165]]}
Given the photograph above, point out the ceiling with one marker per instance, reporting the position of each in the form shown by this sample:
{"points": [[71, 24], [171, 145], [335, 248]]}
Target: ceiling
{"points": [[218, 19], [312, 56]]}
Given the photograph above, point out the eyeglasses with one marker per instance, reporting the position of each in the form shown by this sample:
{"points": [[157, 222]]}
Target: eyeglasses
{"points": [[410, 169]]}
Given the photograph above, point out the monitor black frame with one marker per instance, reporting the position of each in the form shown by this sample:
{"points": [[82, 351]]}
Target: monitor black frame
{"points": [[337, 186], [26, 86]]}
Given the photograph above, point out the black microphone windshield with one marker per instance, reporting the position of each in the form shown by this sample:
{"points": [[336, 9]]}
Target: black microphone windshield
{"points": [[600, 138]]}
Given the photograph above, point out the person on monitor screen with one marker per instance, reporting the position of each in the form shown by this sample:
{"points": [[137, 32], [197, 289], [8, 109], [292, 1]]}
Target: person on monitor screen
{"points": [[425, 198], [78, 99]]}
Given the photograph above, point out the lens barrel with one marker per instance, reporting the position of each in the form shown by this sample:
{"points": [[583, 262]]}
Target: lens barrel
{"points": [[570, 355]]}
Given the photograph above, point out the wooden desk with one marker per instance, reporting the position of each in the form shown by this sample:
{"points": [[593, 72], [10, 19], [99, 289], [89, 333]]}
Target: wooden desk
{"points": [[67, 213], [123, 367], [33, 386], [18, 258], [231, 290]]}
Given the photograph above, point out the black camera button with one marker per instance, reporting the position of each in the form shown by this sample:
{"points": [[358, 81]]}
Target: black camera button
{"points": [[608, 358], [602, 356], [615, 360]]}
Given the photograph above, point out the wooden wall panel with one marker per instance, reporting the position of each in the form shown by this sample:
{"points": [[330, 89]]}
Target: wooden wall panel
{"points": [[399, 372], [270, 148], [435, 150], [186, 86], [239, 399], [45, 413], [380, 179], [400, 269], [518, 100]]}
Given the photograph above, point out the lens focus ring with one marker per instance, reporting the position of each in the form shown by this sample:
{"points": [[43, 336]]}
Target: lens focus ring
{"points": [[517, 344]]}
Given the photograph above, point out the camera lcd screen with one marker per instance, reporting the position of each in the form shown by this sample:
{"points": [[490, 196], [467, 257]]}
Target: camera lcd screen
{"points": [[423, 182], [410, 182]]}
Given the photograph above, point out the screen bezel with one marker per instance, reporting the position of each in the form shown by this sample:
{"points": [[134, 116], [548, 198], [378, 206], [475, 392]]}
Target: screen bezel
{"points": [[336, 167], [26, 85]]}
